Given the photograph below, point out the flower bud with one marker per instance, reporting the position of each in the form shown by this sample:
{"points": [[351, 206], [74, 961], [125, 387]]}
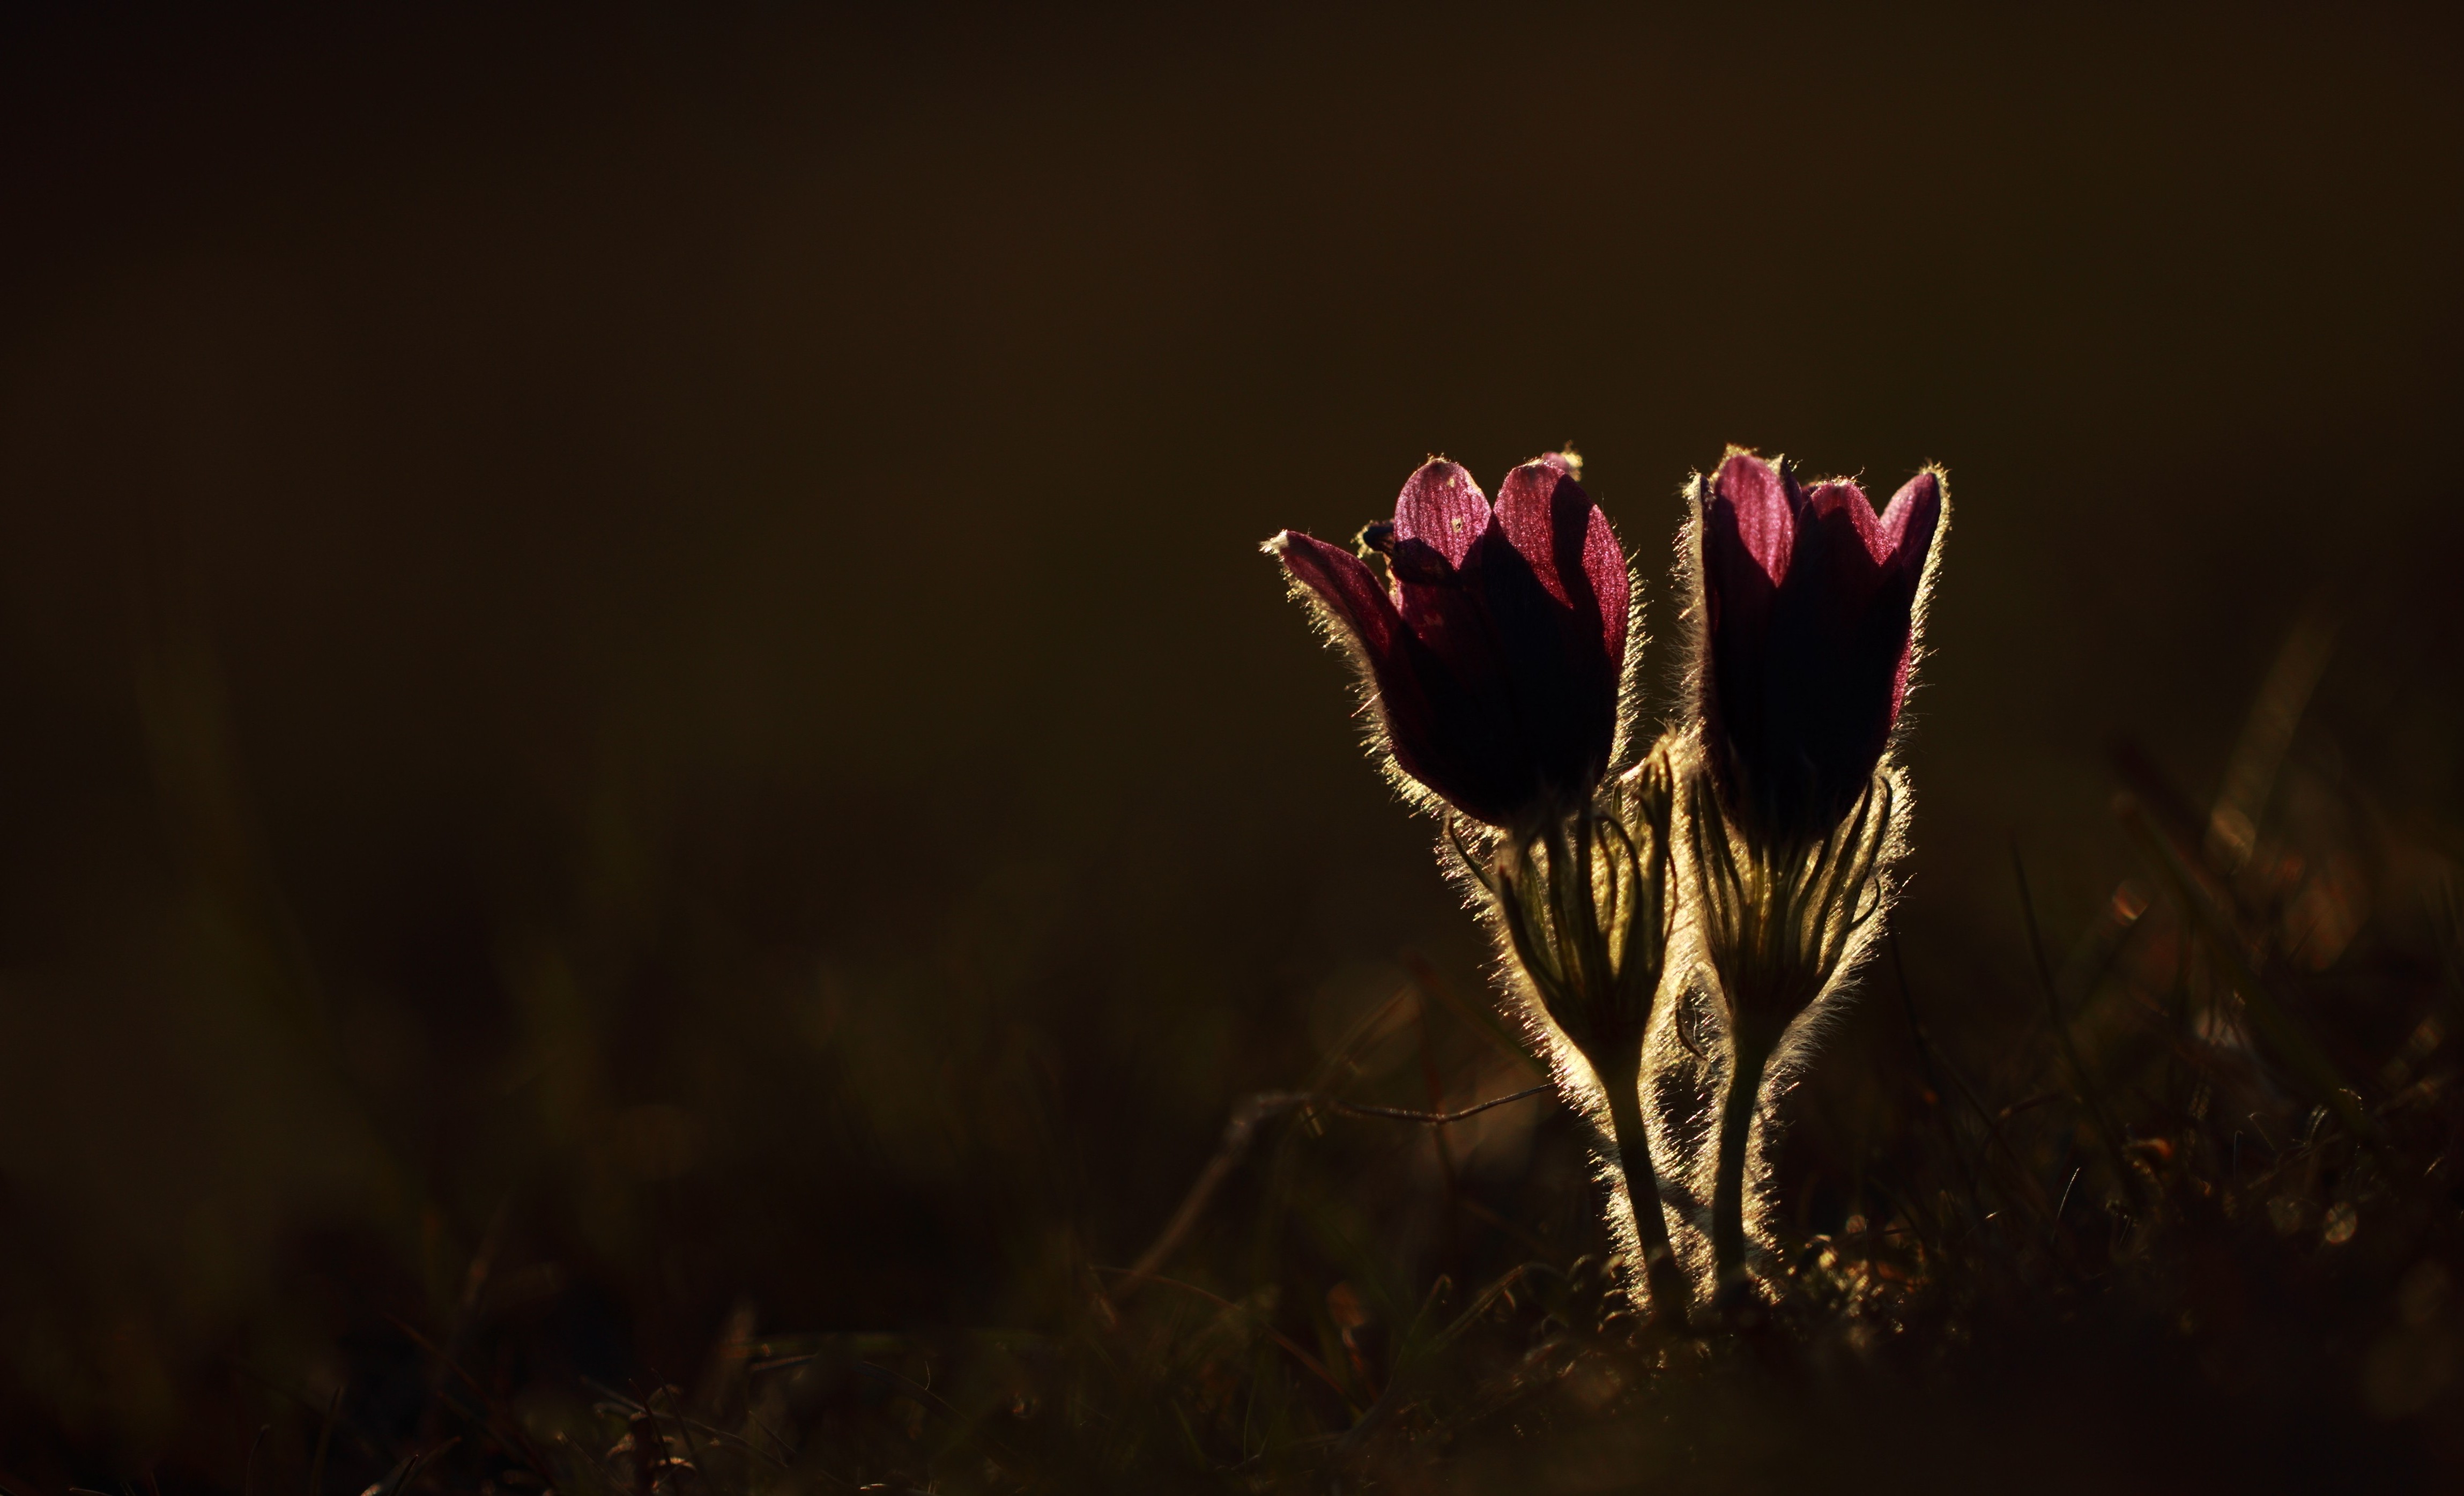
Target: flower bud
{"points": [[1807, 605], [1496, 651]]}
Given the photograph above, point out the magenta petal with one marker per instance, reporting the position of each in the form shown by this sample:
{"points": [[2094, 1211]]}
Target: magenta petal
{"points": [[1456, 736], [1545, 515], [1440, 507], [1351, 592], [1836, 571], [1527, 517], [1442, 608], [1747, 514], [1440, 519], [1846, 501], [1764, 502], [1347, 588], [1604, 563], [1904, 535], [1908, 528], [1561, 633], [1553, 525]]}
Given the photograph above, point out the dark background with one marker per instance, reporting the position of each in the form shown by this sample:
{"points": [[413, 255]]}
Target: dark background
{"points": [[646, 629]]}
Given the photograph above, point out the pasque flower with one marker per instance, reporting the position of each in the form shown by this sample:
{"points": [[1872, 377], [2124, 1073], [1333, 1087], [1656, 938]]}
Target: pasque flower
{"points": [[1497, 647], [1495, 650], [1808, 610]]}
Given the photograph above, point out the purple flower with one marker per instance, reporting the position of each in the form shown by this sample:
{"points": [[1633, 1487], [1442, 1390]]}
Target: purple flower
{"points": [[1498, 654], [1809, 611]]}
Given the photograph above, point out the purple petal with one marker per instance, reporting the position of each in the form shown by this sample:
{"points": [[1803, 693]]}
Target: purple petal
{"points": [[1442, 609], [1347, 588], [1440, 507], [1350, 592], [1764, 503], [1555, 585], [1604, 563], [1441, 729], [1545, 515], [1854, 512], [1908, 528], [1440, 520], [1906, 534], [1835, 568]]}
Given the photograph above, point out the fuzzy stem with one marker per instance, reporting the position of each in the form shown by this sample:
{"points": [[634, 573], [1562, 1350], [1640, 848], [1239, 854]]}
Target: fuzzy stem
{"points": [[1728, 1185], [1669, 1293]]}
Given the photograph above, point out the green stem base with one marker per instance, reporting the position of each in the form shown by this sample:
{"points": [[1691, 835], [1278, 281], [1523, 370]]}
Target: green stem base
{"points": [[1671, 1295], [1728, 1185]]}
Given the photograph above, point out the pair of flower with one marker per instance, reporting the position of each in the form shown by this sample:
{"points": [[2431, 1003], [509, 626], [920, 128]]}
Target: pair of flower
{"points": [[1497, 651]]}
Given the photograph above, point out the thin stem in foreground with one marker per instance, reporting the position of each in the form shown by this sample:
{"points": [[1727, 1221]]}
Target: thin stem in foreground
{"points": [[1671, 1298], [1737, 1109]]}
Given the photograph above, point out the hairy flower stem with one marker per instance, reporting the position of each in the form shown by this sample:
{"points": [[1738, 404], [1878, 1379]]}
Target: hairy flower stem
{"points": [[1728, 1185], [1581, 906], [1780, 917], [1670, 1295]]}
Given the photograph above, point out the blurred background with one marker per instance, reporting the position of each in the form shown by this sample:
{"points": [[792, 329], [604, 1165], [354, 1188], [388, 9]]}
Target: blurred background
{"points": [[633, 640]]}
